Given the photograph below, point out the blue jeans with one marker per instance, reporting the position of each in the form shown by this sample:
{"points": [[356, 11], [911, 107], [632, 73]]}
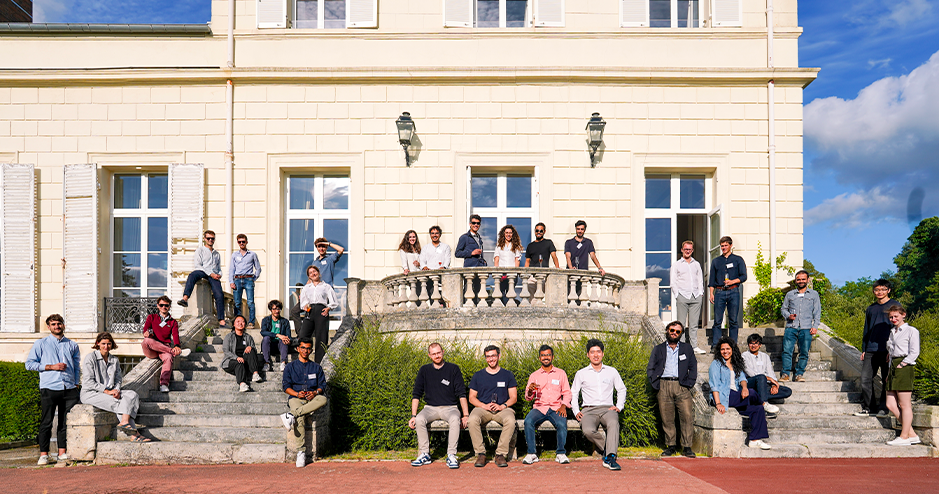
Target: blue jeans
{"points": [[535, 418], [247, 285], [761, 384], [804, 338], [730, 300], [195, 277]]}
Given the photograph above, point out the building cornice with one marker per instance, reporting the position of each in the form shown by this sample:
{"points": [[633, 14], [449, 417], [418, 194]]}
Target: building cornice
{"points": [[74, 29]]}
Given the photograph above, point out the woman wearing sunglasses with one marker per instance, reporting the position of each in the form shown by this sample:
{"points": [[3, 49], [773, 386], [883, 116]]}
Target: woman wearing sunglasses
{"points": [[161, 340]]}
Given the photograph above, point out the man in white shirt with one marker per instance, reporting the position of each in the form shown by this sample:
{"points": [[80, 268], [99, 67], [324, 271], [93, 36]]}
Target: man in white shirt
{"points": [[761, 376], [595, 383], [436, 254], [688, 288], [207, 265]]}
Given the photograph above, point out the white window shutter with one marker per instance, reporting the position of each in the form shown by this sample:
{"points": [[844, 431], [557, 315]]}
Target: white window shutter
{"points": [[634, 13], [272, 14], [186, 200], [549, 13], [80, 249], [361, 13], [458, 13], [18, 264], [728, 13]]}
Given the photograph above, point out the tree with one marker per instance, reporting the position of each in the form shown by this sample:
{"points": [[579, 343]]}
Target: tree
{"points": [[918, 265]]}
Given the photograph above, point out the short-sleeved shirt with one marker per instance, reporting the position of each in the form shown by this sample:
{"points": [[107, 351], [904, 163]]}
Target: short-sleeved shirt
{"points": [[580, 252], [488, 385], [327, 264], [540, 253]]}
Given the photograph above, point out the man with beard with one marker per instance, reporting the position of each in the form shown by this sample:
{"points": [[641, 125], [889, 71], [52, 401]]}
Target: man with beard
{"points": [[551, 393], [672, 371], [802, 310], [540, 250]]}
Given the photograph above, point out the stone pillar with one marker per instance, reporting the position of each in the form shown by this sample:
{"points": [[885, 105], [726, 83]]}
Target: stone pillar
{"points": [[632, 298], [452, 289], [372, 298], [86, 426], [354, 296], [652, 292], [555, 289]]}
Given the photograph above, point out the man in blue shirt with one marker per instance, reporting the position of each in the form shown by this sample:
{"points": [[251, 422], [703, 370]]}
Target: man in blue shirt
{"points": [[243, 271], [327, 263], [304, 381], [493, 391], [728, 272], [58, 362]]}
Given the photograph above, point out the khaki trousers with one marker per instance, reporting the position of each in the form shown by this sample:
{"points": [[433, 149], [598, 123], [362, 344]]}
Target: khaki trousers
{"points": [[480, 417], [590, 425], [674, 396], [451, 414], [300, 409]]}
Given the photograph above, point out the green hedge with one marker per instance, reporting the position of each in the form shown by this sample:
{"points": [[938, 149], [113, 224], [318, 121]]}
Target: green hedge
{"points": [[19, 402], [371, 388]]}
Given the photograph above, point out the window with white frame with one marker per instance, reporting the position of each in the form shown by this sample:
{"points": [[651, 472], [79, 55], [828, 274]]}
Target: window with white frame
{"points": [[673, 13], [504, 199], [139, 235], [319, 14], [317, 206], [502, 13]]}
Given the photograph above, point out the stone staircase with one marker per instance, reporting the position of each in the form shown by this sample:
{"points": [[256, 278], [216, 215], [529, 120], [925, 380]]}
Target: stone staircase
{"points": [[818, 421]]}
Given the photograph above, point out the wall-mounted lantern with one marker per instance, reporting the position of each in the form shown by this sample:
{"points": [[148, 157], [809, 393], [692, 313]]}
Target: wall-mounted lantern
{"points": [[595, 135], [406, 129]]}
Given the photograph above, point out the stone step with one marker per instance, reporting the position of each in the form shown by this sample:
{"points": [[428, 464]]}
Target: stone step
{"points": [[807, 386], [238, 435], [827, 422], [210, 420], [822, 397], [266, 408], [832, 436], [826, 450], [704, 362], [225, 386], [835, 409], [233, 397], [187, 453], [220, 375]]}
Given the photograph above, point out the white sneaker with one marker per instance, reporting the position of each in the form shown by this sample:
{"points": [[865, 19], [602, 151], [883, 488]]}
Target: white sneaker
{"points": [[185, 353], [759, 443], [43, 460], [529, 459], [562, 459], [452, 462], [62, 457], [243, 387], [164, 388], [256, 377], [301, 459], [421, 460], [283, 365], [770, 408], [699, 351], [288, 420], [266, 368], [899, 441], [914, 440]]}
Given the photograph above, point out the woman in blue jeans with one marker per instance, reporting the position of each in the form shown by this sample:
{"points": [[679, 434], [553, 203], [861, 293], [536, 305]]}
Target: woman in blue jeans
{"points": [[728, 381]]}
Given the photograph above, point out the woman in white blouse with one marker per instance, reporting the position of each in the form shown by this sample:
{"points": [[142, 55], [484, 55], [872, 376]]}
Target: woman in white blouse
{"points": [[317, 298], [508, 248], [410, 252], [903, 347]]}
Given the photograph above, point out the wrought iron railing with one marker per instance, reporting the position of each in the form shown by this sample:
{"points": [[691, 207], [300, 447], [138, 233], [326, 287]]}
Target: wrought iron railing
{"points": [[127, 314]]}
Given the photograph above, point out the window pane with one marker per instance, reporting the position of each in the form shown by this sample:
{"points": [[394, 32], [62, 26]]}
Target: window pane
{"points": [[665, 299], [518, 191], [302, 236], [341, 272], [157, 235], [126, 191], [692, 191], [658, 192], [657, 266], [301, 192], [660, 13], [683, 13], [336, 193], [515, 13], [157, 187], [658, 234], [127, 293], [523, 226], [484, 192], [157, 274], [488, 231], [337, 232], [335, 14], [298, 265], [126, 270], [306, 14], [487, 13], [158, 292], [127, 234]]}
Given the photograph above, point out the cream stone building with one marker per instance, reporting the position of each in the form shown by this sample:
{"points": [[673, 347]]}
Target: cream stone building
{"points": [[277, 120]]}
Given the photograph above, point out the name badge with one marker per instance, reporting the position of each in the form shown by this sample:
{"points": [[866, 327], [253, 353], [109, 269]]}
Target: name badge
{"points": [[682, 357], [555, 382], [580, 245], [800, 295], [500, 384], [445, 382], [730, 265], [323, 263], [163, 324], [311, 376]]}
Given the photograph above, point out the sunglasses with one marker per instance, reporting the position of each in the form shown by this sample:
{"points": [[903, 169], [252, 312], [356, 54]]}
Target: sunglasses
{"points": [[475, 223], [676, 331], [163, 305], [539, 231], [210, 239], [242, 241]]}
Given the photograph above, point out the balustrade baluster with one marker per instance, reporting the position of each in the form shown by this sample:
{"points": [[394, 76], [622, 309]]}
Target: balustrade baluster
{"points": [[412, 296], [482, 294], [423, 297], [584, 297], [525, 294], [401, 288], [497, 290], [538, 301], [511, 302], [616, 288], [572, 296], [435, 297], [604, 293], [468, 293]]}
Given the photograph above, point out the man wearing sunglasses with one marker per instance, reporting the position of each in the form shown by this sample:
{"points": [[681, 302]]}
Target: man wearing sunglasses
{"points": [[673, 371], [207, 265], [470, 246], [540, 250], [161, 340], [243, 270]]}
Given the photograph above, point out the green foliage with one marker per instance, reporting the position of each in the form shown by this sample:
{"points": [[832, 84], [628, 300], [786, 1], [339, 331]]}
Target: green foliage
{"points": [[764, 271], [764, 307], [371, 388], [19, 401], [918, 265]]}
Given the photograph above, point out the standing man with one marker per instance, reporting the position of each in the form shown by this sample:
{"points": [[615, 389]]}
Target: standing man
{"points": [[579, 249], [596, 382], [549, 389], [243, 270], [874, 355], [540, 249], [493, 391], [688, 288], [303, 381], [728, 272], [436, 254], [58, 362], [672, 371], [441, 385], [470, 246], [327, 263], [802, 310], [761, 376], [207, 264]]}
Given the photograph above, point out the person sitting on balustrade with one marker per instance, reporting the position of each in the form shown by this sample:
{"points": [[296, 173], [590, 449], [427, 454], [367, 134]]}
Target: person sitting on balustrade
{"points": [[161, 340], [207, 265]]}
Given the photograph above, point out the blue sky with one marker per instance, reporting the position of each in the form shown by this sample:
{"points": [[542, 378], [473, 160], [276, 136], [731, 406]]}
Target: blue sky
{"points": [[871, 117]]}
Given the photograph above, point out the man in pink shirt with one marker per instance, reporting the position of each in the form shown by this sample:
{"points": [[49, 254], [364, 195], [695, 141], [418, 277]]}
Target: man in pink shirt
{"points": [[549, 388]]}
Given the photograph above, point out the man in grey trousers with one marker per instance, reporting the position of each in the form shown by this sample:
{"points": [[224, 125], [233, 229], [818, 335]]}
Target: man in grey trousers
{"points": [[688, 287]]}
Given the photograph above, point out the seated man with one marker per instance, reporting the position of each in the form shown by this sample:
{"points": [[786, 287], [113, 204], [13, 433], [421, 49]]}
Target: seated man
{"points": [[161, 340], [549, 389], [493, 391], [303, 381], [441, 385], [597, 382], [762, 377], [207, 264], [275, 329]]}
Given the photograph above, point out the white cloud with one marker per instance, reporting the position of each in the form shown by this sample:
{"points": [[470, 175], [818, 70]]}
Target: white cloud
{"points": [[859, 209], [885, 14], [884, 63]]}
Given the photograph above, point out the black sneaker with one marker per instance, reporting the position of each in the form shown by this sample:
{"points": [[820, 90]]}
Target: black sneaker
{"points": [[687, 453], [863, 413], [609, 461], [670, 451], [182, 303]]}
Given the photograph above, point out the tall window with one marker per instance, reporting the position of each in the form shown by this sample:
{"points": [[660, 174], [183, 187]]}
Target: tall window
{"points": [[673, 13], [317, 206], [320, 14], [502, 13], [140, 235], [501, 199]]}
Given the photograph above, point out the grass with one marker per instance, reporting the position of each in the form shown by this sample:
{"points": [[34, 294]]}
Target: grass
{"points": [[644, 452]]}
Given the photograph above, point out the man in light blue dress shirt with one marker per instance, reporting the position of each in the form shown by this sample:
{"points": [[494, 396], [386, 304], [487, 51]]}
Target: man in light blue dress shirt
{"points": [[243, 271]]}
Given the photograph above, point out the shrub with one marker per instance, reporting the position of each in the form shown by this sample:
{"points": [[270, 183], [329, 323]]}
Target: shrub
{"points": [[764, 307], [19, 402]]}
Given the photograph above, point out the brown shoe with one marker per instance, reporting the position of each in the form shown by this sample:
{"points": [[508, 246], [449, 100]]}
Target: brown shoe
{"points": [[500, 461], [481, 460], [250, 325], [799, 379], [784, 378]]}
